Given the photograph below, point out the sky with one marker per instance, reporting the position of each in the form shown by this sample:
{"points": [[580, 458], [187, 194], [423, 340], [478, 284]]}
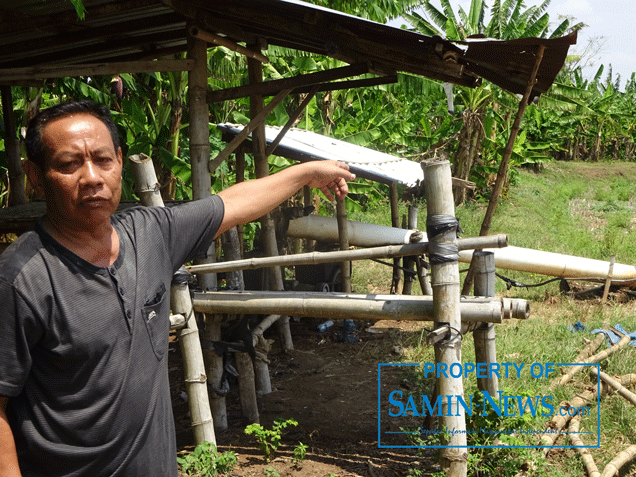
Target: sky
{"points": [[611, 21]]}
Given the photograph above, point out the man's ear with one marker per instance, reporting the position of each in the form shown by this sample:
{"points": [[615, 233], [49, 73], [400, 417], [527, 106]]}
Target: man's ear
{"points": [[35, 175]]}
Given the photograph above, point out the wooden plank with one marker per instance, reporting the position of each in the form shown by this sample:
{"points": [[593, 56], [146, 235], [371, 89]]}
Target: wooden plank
{"points": [[350, 84], [240, 137], [221, 41], [94, 69], [269, 87]]}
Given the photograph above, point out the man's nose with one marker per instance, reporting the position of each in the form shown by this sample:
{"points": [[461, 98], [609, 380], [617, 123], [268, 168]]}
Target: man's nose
{"points": [[90, 174]]}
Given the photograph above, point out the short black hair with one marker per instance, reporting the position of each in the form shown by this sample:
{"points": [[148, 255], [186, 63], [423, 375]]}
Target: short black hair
{"points": [[37, 152]]}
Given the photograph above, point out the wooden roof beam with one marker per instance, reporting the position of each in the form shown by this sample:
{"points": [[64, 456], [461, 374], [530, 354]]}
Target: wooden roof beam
{"points": [[208, 37], [95, 69], [271, 87]]}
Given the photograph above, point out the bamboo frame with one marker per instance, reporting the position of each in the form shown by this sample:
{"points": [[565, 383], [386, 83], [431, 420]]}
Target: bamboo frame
{"points": [[181, 304], [447, 313], [355, 306], [17, 193], [312, 258], [484, 336]]}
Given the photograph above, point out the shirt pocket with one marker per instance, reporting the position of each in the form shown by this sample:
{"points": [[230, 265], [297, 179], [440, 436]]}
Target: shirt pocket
{"points": [[157, 322]]}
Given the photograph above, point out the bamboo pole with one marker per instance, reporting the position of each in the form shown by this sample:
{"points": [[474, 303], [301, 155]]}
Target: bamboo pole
{"points": [[338, 256], [396, 282], [502, 173], [181, 304], [146, 183], [597, 358], [588, 351], [193, 367], [484, 334], [17, 193], [409, 262], [608, 282], [356, 306], [345, 267], [447, 312], [201, 189], [559, 422], [586, 456], [244, 365], [619, 461], [620, 389], [268, 231]]}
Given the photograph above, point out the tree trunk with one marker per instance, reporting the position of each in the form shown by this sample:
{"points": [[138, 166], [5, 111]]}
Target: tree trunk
{"points": [[470, 139]]}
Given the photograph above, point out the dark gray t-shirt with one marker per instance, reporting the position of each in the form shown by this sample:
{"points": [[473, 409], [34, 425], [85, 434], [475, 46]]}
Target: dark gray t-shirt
{"points": [[82, 348]]}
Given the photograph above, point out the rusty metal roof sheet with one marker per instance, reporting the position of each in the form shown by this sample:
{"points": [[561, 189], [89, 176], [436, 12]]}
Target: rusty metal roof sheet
{"points": [[33, 32]]}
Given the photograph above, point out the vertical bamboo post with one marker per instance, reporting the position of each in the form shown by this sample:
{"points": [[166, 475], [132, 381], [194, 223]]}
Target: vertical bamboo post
{"points": [[193, 365], [244, 365], [255, 72], [17, 194], [395, 223], [502, 173], [345, 267], [307, 202], [409, 263], [441, 227], [202, 188], [240, 177], [180, 303], [484, 334]]}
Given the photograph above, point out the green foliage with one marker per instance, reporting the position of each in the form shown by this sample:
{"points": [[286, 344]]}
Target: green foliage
{"points": [[299, 454], [269, 439], [271, 472], [205, 461]]}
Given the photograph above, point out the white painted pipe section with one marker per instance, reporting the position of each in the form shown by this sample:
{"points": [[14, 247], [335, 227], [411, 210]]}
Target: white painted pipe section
{"points": [[317, 227], [510, 258], [555, 264]]}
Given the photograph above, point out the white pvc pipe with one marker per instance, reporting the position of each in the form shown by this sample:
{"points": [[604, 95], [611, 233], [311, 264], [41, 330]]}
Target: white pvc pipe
{"points": [[510, 258], [555, 264]]}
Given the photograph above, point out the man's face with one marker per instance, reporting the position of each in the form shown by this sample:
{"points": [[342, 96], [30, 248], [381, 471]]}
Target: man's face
{"points": [[82, 177]]}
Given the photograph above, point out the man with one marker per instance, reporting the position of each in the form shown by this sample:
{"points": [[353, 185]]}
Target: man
{"points": [[84, 327]]}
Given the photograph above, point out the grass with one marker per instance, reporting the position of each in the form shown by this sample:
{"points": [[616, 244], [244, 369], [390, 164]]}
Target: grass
{"points": [[579, 209]]}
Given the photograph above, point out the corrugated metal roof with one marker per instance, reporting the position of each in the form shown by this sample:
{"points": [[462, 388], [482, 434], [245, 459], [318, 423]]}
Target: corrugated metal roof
{"points": [[34, 33], [302, 145]]}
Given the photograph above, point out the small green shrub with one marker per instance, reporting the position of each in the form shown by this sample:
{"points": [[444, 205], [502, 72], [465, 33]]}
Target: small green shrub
{"points": [[299, 454], [205, 461], [269, 439]]}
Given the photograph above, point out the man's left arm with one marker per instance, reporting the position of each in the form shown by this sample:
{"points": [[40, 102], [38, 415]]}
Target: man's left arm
{"points": [[247, 201]]}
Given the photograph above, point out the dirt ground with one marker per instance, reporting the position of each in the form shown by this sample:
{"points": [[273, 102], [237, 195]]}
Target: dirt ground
{"points": [[331, 389]]}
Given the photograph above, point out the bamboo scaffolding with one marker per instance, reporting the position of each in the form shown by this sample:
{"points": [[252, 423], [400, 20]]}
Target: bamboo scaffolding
{"points": [[355, 306], [586, 456], [312, 258], [181, 304], [447, 314], [201, 189]]}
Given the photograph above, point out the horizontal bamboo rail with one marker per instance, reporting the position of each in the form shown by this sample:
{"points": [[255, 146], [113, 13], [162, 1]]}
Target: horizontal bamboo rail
{"points": [[354, 306], [388, 251]]}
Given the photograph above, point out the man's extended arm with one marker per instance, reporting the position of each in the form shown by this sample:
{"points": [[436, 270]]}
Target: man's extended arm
{"points": [[8, 457], [250, 200]]}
